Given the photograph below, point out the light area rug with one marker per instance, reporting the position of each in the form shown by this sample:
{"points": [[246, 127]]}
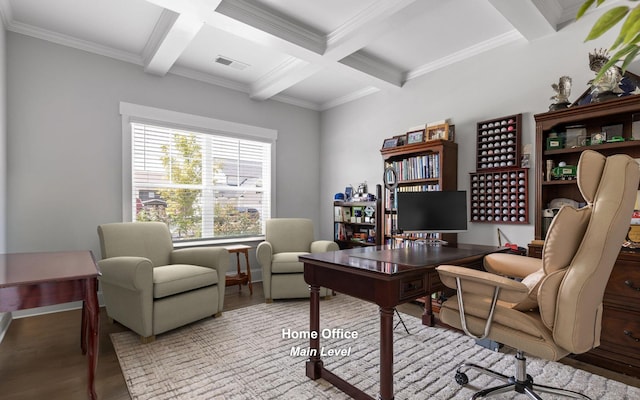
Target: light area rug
{"points": [[244, 354]]}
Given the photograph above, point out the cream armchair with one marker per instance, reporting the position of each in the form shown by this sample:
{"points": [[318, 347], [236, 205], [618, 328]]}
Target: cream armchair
{"points": [[151, 288], [285, 240], [557, 307]]}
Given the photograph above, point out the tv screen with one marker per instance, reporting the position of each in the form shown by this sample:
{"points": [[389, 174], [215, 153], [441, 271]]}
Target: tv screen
{"points": [[437, 211]]}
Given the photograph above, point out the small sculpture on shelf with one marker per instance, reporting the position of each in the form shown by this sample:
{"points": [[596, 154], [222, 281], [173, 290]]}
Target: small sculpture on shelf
{"points": [[563, 91], [608, 85]]}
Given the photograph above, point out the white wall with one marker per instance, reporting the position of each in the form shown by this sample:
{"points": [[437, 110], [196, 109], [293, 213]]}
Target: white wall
{"points": [[65, 150], [512, 79]]}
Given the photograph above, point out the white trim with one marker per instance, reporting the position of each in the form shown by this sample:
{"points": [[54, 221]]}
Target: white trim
{"points": [[133, 111]]}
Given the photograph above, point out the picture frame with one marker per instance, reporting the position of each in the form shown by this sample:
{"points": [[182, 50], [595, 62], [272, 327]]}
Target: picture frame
{"points": [[389, 143], [402, 140], [415, 136], [614, 130], [438, 132]]}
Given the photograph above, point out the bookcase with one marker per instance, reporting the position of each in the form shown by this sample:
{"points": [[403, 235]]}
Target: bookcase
{"points": [[423, 166], [357, 223], [561, 136]]}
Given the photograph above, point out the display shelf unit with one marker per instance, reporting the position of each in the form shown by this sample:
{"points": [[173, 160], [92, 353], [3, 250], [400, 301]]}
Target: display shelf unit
{"points": [[498, 143], [593, 117], [499, 196], [619, 349], [357, 223], [431, 165]]}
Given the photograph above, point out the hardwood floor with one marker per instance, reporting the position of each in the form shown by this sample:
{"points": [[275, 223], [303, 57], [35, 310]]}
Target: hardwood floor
{"points": [[40, 356]]}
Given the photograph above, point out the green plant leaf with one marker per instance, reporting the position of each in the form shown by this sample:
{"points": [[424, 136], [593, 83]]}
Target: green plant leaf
{"points": [[631, 25], [630, 57], [607, 21], [599, 2], [585, 6]]}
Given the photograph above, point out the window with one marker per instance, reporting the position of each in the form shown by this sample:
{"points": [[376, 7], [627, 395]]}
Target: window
{"points": [[204, 184]]}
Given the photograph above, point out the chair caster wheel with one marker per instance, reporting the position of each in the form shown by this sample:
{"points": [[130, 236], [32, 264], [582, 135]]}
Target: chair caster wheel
{"points": [[461, 378]]}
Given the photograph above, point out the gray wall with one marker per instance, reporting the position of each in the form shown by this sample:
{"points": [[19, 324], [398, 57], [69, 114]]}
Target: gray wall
{"points": [[3, 138], [64, 141], [508, 80]]}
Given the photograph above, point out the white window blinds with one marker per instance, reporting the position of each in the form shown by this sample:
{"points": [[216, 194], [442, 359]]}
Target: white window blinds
{"points": [[204, 186]]}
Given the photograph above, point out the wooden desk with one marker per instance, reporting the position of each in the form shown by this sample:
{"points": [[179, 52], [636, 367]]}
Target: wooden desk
{"points": [[386, 277], [30, 280]]}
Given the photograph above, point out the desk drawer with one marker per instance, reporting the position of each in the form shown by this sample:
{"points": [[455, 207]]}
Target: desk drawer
{"points": [[413, 287], [620, 330], [624, 285]]}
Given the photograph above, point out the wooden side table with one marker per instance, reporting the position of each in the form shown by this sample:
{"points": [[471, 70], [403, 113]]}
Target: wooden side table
{"points": [[240, 278]]}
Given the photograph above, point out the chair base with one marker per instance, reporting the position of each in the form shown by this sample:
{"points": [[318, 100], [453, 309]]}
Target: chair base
{"points": [[147, 339], [521, 383]]}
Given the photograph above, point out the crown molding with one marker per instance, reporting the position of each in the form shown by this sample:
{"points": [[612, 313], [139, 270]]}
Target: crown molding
{"points": [[65, 40], [269, 21], [463, 54]]}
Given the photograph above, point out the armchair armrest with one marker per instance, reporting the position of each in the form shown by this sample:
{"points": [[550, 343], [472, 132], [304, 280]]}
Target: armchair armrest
{"points": [[133, 273], [322, 246], [511, 264], [483, 283], [264, 252], [211, 257]]}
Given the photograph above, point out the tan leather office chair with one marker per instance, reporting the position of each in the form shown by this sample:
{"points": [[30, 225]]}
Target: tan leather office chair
{"points": [[557, 307], [285, 240], [151, 288]]}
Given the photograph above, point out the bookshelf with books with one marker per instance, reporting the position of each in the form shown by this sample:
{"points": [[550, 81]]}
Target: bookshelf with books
{"points": [[423, 166], [357, 223]]}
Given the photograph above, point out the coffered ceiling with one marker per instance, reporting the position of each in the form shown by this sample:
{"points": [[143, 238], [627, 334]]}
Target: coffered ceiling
{"points": [[316, 54]]}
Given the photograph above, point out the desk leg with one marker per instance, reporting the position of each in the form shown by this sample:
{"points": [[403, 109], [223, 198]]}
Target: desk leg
{"points": [[386, 354], [314, 364], [428, 318], [90, 323]]}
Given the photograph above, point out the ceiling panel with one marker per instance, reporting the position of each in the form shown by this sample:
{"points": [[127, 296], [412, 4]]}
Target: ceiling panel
{"points": [[210, 43], [120, 24], [443, 30]]}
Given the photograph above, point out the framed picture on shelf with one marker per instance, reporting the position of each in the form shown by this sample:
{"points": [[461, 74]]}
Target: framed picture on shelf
{"points": [[402, 140], [415, 136], [388, 143], [438, 132]]}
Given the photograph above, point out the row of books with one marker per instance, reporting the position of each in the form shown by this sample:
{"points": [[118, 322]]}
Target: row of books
{"points": [[418, 167], [411, 188]]}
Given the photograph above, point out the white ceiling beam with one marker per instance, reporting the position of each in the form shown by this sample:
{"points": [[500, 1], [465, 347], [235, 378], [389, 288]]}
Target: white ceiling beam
{"points": [[525, 17], [287, 74], [307, 47], [171, 36]]}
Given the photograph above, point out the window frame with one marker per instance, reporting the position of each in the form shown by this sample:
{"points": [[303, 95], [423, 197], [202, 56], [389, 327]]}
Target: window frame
{"points": [[135, 113]]}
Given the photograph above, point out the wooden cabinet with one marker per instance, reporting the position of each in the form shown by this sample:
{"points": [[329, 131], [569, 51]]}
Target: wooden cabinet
{"points": [[592, 119], [424, 166], [357, 223], [619, 348]]}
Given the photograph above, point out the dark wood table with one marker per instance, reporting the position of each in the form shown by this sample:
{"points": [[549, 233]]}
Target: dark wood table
{"points": [[386, 277], [30, 280]]}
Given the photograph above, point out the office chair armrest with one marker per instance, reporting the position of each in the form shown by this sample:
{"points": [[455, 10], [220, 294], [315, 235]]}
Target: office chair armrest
{"points": [[511, 265], [483, 283], [133, 273], [210, 257], [322, 246]]}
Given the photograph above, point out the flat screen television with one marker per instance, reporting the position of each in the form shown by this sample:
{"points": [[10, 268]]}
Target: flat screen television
{"points": [[436, 211]]}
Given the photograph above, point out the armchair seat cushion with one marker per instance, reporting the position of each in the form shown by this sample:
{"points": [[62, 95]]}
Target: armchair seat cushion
{"points": [[179, 278], [287, 263]]}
